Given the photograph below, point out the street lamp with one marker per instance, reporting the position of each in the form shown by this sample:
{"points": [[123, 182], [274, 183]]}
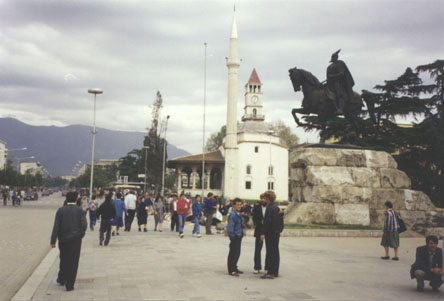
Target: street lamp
{"points": [[95, 92], [203, 128], [146, 158], [164, 155]]}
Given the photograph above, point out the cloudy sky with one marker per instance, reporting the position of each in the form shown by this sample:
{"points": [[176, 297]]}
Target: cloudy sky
{"points": [[51, 52]]}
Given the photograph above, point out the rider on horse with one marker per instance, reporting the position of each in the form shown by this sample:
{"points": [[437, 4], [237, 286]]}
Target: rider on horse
{"points": [[340, 82]]}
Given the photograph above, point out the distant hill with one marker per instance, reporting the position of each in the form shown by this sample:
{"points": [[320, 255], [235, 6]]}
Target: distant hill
{"points": [[58, 149]]}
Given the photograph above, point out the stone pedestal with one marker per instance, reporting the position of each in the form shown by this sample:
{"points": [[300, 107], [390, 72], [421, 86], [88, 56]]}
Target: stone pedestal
{"points": [[350, 186]]}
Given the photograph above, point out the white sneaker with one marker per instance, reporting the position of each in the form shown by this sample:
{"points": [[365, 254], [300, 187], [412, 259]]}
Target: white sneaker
{"points": [[181, 235], [198, 236], [256, 271], [194, 234]]}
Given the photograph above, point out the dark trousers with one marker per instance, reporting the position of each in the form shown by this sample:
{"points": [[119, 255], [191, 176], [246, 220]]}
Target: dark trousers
{"points": [[129, 219], [92, 218], [257, 253], [105, 226], [69, 261], [208, 223], [174, 221], [233, 255], [272, 257]]}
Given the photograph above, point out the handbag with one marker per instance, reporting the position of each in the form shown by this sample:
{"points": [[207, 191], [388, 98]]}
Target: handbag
{"points": [[402, 226]]}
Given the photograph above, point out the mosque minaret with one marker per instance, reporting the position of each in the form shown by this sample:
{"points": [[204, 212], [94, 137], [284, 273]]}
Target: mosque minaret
{"points": [[230, 146]]}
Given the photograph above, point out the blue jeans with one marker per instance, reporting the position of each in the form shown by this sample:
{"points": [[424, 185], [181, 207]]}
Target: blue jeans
{"points": [[92, 218], [196, 225], [181, 222]]}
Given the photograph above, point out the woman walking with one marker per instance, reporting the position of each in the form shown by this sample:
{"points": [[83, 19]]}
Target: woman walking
{"points": [[143, 206], [159, 211], [92, 207], [390, 237]]}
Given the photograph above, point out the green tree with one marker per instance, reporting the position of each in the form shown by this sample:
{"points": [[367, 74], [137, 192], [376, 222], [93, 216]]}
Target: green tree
{"points": [[215, 140], [284, 132]]}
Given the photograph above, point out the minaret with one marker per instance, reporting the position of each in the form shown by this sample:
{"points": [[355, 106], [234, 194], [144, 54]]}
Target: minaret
{"points": [[231, 164]]}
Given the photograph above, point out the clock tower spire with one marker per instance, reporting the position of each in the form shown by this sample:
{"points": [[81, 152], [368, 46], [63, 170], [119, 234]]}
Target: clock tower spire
{"points": [[253, 99]]}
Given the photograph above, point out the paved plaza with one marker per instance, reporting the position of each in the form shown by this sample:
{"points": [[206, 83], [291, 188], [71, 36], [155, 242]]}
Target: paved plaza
{"points": [[161, 266]]}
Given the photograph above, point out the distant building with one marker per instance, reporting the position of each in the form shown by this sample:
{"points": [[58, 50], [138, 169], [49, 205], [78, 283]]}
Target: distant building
{"points": [[32, 167], [68, 178], [103, 163], [3, 154]]}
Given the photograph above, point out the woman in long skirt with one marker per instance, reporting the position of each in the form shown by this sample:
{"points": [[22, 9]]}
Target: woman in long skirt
{"points": [[390, 236], [159, 210]]}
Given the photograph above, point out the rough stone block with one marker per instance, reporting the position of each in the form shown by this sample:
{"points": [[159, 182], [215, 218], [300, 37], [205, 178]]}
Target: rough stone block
{"points": [[376, 218], [352, 214], [437, 231], [298, 176], [365, 177], [378, 159], [381, 195], [417, 200], [311, 156], [322, 194], [414, 220], [355, 195], [328, 175], [296, 193], [394, 178], [309, 213], [351, 158]]}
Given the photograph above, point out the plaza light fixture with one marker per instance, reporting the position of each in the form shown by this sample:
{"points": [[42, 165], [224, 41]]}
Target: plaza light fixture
{"points": [[94, 91]]}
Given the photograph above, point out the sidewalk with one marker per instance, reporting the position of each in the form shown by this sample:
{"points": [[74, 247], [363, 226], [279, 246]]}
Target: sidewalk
{"points": [[161, 266]]}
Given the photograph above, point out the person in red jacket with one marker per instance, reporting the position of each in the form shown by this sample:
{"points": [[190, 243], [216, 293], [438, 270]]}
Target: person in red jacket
{"points": [[183, 207]]}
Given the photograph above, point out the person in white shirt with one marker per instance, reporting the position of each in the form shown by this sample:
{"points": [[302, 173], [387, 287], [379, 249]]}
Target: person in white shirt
{"points": [[130, 203]]}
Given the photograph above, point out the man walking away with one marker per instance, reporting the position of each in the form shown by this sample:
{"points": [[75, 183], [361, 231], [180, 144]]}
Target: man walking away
{"points": [[108, 212], [273, 226], [69, 228], [209, 211], [197, 213], [130, 203], [258, 220], [235, 232], [182, 210], [428, 265]]}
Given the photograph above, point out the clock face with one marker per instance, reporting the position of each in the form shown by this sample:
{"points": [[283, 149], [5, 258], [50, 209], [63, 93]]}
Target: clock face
{"points": [[254, 99]]}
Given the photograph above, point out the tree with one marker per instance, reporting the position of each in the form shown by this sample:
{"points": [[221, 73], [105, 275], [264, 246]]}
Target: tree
{"points": [[284, 132], [215, 140]]}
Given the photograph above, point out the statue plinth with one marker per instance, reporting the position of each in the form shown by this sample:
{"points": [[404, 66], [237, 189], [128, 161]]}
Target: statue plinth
{"points": [[333, 185]]}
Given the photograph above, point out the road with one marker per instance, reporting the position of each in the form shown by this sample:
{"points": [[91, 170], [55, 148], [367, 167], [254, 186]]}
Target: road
{"points": [[24, 240]]}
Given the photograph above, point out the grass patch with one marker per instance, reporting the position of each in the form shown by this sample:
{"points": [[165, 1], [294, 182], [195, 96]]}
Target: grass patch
{"points": [[329, 227]]}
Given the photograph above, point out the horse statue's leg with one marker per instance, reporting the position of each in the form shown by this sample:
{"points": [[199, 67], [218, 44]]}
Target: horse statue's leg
{"points": [[296, 119]]}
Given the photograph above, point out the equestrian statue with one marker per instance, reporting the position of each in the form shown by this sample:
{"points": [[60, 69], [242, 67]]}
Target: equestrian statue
{"points": [[328, 100]]}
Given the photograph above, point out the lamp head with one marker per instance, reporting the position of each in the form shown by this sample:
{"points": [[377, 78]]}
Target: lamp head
{"points": [[95, 91]]}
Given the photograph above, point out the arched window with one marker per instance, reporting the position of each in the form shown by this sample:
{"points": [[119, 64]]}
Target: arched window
{"points": [[248, 169], [256, 149], [270, 185], [254, 112], [270, 170]]}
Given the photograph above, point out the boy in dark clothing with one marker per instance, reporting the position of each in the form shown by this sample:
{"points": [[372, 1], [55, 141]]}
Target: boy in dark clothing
{"points": [[69, 228], [273, 225], [428, 264], [258, 220], [107, 211]]}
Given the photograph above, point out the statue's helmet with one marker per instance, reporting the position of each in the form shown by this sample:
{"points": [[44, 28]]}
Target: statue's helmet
{"points": [[335, 56]]}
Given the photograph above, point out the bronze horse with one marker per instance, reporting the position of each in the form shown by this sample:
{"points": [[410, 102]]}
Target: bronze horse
{"points": [[318, 100]]}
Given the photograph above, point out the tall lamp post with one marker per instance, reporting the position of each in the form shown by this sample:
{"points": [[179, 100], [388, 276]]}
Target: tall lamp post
{"points": [[94, 132], [202, 181], [164, 156], [146, 148]]}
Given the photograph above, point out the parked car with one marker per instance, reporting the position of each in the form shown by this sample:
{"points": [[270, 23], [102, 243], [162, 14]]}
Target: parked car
{"points": [[31, 196], [45, 193]]}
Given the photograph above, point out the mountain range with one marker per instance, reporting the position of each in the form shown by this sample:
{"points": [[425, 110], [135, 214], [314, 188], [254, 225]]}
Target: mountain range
{"points": [[59, 149]]}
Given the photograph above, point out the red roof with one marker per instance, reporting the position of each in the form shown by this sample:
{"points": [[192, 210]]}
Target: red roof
{"points": [[254, 79]]}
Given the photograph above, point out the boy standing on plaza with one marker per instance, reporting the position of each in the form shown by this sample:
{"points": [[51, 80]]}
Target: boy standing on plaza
{"points": [[182, 210], [69, 228], [197, 213], [235, 232]]}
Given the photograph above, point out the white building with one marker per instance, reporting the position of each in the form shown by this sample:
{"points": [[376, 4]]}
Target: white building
{"points": [[251, 159], [3, 154], [32, 167]]}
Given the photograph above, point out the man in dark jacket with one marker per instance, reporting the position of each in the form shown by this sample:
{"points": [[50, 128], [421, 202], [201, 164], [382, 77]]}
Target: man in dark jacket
{"points": [[209, 210], [69, 228], [271, 231], [108, 212], [258, 220], [428, 264]]}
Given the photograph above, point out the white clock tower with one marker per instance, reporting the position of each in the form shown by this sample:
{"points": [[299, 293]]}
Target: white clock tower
{"points": [[253, 99]]}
